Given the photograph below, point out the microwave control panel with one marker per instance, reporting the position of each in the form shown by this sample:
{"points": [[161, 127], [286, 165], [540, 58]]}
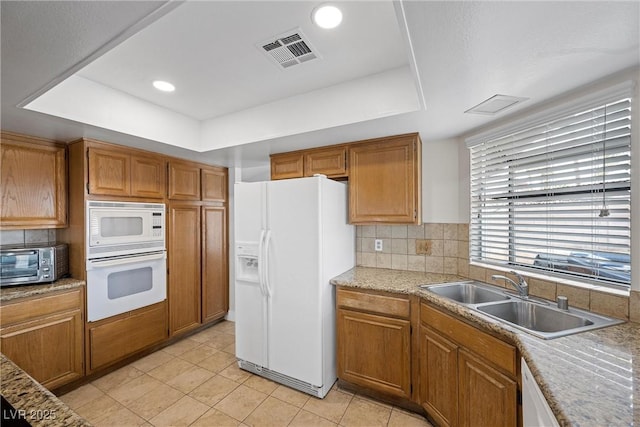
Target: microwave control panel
{"points": [[157, 224]]}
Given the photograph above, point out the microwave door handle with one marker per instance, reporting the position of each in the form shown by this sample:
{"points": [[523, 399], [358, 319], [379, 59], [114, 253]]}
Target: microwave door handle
{"points": [[20, 253], [101, 263]]}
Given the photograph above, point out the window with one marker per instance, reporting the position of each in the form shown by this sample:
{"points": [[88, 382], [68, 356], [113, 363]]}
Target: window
{"points": [[554, 195]]}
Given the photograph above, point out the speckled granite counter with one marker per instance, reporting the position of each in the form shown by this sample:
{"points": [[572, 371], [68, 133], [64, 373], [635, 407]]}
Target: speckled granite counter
{"points": [[588, 379], [12, 292], [40, 406]]}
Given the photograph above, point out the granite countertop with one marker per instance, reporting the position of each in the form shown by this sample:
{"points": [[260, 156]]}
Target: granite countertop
{"points": [[9, 293], [588, 379], [38, 405]]}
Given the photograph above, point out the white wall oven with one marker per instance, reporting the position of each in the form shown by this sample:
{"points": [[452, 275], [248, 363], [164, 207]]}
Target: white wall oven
{"points": [[126, 257]]}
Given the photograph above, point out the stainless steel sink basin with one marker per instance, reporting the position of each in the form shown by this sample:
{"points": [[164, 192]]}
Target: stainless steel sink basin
{"points": [[537, 317], [467, 292]]}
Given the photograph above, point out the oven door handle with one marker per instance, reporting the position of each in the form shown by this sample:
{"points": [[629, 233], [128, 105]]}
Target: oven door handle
{"points": [[110, 262]]}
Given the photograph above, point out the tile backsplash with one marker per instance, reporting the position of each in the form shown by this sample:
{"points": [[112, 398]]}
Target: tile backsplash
{"points": [[20, 237], [444, 248]]}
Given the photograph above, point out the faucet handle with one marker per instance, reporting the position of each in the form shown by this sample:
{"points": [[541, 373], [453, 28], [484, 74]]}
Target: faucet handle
{"points": [[520, 278]]}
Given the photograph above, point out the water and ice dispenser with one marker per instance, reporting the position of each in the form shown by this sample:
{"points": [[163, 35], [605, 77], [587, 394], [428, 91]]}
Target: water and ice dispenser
{"points": [[247, 262]]}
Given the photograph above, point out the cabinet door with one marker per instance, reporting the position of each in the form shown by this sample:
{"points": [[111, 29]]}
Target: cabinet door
{"points": [[184, 182], [486, 397], [34, 185], [49, 348], [109, 172], [331, 162], [184, 267], [439, 377], [384, 181], [374, 351], [215, 279], [214, 185], [147, 177], [284, 166]]}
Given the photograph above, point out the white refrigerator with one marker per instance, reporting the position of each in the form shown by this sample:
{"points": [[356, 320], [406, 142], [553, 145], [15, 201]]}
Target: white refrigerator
{"points": [[292, 237]]}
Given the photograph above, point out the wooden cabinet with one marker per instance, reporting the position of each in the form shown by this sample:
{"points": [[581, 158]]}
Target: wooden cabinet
{"points": [[467, 377], [330, 161], [114, 172], [385, 181], [33, 183], [374, 341], [184, 181], [214, 185], [288, 165], [44, 336], [215, 274]]}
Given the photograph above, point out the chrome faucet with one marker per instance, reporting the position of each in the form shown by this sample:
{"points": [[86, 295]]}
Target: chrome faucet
{"points": [[521, 286]]}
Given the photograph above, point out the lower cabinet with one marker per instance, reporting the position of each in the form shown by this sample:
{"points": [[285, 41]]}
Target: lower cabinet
{"points": [[374, 348], [44, 336]]}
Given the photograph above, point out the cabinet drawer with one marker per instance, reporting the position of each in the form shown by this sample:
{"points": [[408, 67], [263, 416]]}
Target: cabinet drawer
{"points": [[492, 349], [117, 339], [32, 308], [375, 303]]}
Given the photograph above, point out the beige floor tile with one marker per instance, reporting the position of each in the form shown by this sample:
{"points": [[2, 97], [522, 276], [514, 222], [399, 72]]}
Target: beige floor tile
{"points": [[152, 361], [231, 349], [215, 418], [372, 400], [226, 327], [220, 341], [190, 379], [338, 388], [81, 396], [217, 361], [182, 413], [401, 418], [122, 417], [180, 347], [116, 378], [261, 384], [289, 395], [157, 400], [134, 389], [272, 412], [198, 354], [241, 402], [332, 407], [204, 336], [170, 370], [99, 408], [365, 413], [214, 390], [307, 419], [234, 373]]}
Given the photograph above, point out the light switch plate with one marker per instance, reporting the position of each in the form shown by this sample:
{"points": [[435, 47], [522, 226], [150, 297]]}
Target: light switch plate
{"points": [[378, 245]]}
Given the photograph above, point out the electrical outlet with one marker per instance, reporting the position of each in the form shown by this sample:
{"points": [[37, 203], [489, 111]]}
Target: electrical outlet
{"points": [[378, 245], [423, 247]]}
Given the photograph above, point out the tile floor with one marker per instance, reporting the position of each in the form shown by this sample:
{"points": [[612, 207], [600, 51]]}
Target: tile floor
{"points": [[197, 382]]}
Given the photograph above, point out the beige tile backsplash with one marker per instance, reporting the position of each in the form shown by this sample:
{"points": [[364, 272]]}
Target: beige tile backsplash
{"points": [[444, 248]]}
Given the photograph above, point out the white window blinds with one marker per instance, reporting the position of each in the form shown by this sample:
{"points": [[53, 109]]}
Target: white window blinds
{"points": [[556, 196]]}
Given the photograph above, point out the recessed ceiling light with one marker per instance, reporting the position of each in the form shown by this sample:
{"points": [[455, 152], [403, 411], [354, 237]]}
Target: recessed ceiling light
{"points": [[327, 16], [164, 86], [495, 104]]}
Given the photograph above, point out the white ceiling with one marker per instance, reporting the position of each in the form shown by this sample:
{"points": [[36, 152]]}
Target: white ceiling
{"points": [[460, 53]]}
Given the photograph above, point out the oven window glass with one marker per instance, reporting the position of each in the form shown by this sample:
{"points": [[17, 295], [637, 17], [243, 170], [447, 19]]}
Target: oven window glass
{"points": [[19, 265], [129, 282], [117, 226]]}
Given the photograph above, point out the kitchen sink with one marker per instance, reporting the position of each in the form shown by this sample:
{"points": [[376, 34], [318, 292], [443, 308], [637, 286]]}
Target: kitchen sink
{"points": [[467, 292], [536, 316]]}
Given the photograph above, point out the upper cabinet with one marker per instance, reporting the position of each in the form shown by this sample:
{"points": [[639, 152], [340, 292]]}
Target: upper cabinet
{"points": [[384, 181], [384, 176], [114, 172], [190, 181], [33, 183]]}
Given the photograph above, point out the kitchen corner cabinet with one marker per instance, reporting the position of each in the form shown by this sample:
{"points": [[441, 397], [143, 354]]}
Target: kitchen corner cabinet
{"points": [[385, 180], [44, 336], [467, 377], [374, 341], [116, 172], [33, 183]]}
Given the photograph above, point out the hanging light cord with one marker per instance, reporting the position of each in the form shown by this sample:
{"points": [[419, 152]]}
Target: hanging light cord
{"points": [[604, 211]]}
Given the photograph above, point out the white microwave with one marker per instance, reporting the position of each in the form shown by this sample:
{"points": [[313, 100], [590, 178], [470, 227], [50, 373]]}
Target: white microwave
{"points": [[124, 228]]}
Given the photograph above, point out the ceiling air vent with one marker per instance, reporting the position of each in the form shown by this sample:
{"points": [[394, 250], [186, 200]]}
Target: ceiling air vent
{"points": [[495, 104], [289, 49]]}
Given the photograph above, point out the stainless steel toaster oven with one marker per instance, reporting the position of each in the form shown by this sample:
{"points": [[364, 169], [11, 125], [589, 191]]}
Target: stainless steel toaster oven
{"points": [[28, 264]]}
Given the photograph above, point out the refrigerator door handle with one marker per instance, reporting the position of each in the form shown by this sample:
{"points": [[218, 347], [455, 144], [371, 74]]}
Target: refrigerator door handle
{"points": [[267, 286], [261, 262]]}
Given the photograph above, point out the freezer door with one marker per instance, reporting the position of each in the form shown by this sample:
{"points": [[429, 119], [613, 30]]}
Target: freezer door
{"points": [[293, 261], [250, 301]]}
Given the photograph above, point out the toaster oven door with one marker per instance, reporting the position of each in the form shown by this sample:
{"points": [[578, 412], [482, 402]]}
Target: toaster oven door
{"points": [[19, 266]]}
